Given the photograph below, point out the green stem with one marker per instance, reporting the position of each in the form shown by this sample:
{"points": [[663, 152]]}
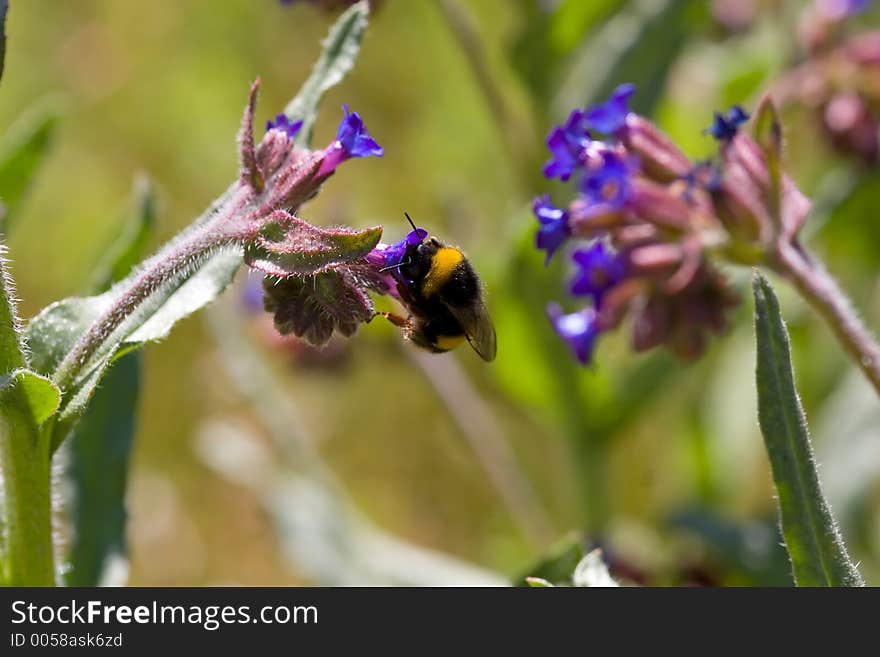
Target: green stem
{"points": [[24, 463], [27, 502], [175, 259]]}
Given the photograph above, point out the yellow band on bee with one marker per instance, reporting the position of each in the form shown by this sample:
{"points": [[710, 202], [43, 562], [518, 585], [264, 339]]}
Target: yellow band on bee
{"points": [[442, 265], [448, 342]]}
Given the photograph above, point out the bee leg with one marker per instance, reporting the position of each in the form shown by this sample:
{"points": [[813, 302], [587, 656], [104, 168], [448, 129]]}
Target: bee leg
{"points": [[397, 320]]}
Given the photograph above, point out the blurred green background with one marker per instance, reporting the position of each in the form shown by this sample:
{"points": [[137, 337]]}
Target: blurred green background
{"points": [[659, 461]]}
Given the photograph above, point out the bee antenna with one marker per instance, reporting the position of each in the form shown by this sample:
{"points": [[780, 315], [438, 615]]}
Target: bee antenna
{"points": [[411, 223]]}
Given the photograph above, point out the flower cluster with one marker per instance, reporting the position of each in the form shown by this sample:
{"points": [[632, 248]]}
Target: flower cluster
{"points": [[316, 279], [838, 78], [650, 220]]}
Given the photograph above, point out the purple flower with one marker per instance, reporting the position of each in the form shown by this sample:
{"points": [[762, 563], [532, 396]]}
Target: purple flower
{"points": [[252, 295], [567, 144], [554, 229], [352, 140], [725, 126], [285, 125], [608, 117], [841, 9], [598, 270], [610, 183], [704, 175], [578, 329], [390, 257]]}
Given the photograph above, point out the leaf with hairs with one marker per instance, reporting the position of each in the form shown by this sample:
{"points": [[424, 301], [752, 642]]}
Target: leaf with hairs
{"points": [[812, 538], [288, 245]]}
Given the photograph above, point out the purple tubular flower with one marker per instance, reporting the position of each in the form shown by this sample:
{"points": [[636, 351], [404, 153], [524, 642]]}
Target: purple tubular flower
{"points": [[567, 144], [578, 329], [352, 140], [554, 228], [285, 125], [389, 257], [610, 183], [609, 117], [841, 9], [725, 126], [598, 270]]}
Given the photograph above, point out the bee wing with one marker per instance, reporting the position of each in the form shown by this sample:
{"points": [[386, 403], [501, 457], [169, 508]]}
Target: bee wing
{"points": [[478, 328]]}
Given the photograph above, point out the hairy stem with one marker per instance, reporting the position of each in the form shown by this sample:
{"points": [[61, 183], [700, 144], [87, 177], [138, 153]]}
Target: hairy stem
{"points": [[25, 525], [820, 289], [177, 257]]}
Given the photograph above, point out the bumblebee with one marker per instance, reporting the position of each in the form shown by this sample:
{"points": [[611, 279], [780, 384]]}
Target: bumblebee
{"points": [[442, 293]]}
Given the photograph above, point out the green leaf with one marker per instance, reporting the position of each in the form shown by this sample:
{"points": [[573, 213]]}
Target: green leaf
{"points": [[100, 448], [768, 134], [53, 332], [538, 583], [558, 566], [27, 400], [24, 148], [288, 245], [812, 538], [341, 49], [102, 440]]}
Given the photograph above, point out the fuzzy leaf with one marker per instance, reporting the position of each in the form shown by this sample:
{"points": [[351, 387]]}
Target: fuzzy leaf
{"points": [[812, 538], [288, 245], [312, 307], [102, 440], [53, 332], [23, 150], [341, 49]]}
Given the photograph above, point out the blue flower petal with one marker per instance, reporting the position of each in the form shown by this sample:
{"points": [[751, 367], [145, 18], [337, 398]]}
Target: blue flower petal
{"points": [[567, 144], [285, 125], [554, 228], [598, 270], [578, 329], [610, 183], [609, 117], [725, 125]]}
